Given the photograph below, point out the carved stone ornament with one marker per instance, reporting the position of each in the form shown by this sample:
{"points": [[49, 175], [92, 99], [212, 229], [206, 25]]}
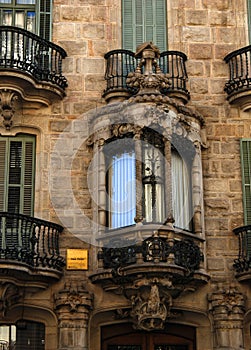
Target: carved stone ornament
{"points": [[148, 76], [9, 295], [150, 313], [8, 104], [227, 306], [73, 302]]}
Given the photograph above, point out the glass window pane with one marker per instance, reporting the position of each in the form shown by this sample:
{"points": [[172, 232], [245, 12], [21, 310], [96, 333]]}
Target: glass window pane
{"points": [[5, 1], [122, 190], [30, 24], [19, 19], [26, 2], [7, 17]]}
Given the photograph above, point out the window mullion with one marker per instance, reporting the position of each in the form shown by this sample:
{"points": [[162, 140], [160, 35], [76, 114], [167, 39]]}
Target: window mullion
{"points": [[138, 157], [168, 179]]}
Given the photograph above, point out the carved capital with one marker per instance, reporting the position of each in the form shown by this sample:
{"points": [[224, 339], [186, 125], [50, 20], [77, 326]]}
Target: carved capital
{"points": [[73, 302], [226, 301]]}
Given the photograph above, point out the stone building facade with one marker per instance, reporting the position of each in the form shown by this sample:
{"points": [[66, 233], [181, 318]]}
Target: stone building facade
{"points": [[157, 282]]}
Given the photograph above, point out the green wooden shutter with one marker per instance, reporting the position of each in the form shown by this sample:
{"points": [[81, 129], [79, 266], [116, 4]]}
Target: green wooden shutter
{"points": [[17, 167], [246, 178], [249, 19], [44, 19], [143, 20], [2, 174]]}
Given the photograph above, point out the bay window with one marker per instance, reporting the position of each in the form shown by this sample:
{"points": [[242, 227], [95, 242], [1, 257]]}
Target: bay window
{"points": [[136, 181]]}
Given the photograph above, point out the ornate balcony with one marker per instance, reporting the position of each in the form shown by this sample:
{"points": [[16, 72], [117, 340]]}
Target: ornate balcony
{"points": [[242, 264], [151, 267], [30, 69], [29, 251], [238, 86], [120, 64]]}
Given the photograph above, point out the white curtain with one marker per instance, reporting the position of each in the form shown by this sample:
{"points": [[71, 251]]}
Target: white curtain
{"points": [[180, 192], [122, 190]]}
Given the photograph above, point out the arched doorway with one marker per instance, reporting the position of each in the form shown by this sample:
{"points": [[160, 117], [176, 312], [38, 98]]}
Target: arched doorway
{"points": [[124, 337]]}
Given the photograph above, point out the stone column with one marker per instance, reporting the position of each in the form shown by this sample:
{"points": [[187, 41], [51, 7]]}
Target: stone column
{"points": [[72, 305], [226, 305], [197, 190]]}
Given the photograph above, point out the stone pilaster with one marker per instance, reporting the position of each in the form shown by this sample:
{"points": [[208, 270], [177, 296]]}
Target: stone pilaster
{"points": [[227, 307], [72, 305]]}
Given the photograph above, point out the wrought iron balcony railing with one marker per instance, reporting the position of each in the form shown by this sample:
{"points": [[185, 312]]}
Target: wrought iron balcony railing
{"points": [[24, 51], [29, 240], [185, 253], [242, 264], [119, 63], [238, 87]]}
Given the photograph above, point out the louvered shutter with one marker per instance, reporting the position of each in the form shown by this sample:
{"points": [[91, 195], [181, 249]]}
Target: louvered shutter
{"points": [[44, 18], [246, 178], [17, 164], [128, 12], [2, 174], [249, 19], [143, 20]]}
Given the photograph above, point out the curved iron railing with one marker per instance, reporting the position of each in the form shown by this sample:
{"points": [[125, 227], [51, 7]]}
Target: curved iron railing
{"points": [[173, 64], [119, 63], [243, 263], [32, 241], [153, 249], [25, 51], [239, 63]]}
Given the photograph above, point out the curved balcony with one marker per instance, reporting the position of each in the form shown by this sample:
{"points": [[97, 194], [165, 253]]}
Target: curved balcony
{"points": [[29, 250], [150, 267], [242, 264], [119, 63], [238, 87], [151, 251], [31, 67]]}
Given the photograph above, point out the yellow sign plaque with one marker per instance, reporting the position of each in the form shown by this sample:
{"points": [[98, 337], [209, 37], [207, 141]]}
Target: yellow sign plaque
{"points": [[77, 259]]}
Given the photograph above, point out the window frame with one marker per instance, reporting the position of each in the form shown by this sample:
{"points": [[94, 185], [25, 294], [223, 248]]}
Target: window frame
{"points": [[43, 15]]}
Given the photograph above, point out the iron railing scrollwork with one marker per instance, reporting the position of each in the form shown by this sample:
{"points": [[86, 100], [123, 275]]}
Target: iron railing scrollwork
{"points": [[25, 51], [119, 63], [239, 63], [243, 262], [153, 249], [29, 240]]}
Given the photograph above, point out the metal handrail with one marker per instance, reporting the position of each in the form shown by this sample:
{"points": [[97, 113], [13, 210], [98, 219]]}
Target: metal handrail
{"points": [[243, 262], [119, 63], [239, 64], [25, 51], [30, 240]]}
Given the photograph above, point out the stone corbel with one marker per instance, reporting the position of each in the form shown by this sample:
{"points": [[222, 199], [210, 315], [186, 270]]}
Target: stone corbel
{"points": [[8, 105], [9, 295]]}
